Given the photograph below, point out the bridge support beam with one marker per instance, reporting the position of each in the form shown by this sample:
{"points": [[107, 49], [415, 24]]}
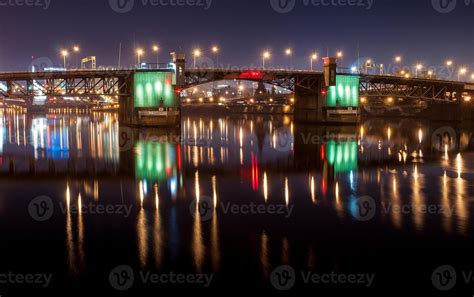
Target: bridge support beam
{"points": [[310, 99]]}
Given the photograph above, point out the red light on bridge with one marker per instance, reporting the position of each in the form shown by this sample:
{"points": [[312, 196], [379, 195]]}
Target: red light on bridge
{"points": [[252, 75], [324, 91]]}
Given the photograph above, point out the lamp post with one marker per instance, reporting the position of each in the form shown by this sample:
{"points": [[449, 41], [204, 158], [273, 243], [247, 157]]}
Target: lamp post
{"points": [[314, 57], [76, 50], [289, 53], [156, 49], [461, 72], [418, 68], [266, 55], [340, 55], [196, 54], [140, 53], [215, 50], [64, 53]]}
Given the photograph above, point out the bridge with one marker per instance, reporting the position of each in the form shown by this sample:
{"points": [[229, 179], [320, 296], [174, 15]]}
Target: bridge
{"points": [[146, 95]]}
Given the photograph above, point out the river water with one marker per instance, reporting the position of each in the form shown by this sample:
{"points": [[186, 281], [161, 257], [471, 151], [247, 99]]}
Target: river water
{"points": [[234, 203]]}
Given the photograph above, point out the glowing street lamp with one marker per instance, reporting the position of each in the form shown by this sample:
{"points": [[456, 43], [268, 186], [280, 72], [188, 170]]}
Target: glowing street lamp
{"points": [[156, 49], [418, 68], [430, 74], [314, 57], [215, 51], [289, 53], [140, 53], [398, 59], [461, 72], [196, 54], [449, 63], [266, 55], [64, 53], [339, 55], [76, 49]]}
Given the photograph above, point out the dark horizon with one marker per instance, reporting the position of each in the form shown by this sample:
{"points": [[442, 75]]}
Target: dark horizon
{"points": [[413, 29]]}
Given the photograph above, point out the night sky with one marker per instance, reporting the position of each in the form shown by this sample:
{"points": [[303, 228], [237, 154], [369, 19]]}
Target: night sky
{"points": [[242, 29]]}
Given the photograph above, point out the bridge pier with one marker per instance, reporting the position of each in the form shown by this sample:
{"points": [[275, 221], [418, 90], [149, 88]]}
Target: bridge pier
{"points": [[327, 97], [154, 96], [309, 105]]}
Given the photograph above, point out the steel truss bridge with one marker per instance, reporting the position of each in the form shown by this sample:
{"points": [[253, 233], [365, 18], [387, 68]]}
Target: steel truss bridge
{"points": [[87, 83], [76, 83], [371, 86]]}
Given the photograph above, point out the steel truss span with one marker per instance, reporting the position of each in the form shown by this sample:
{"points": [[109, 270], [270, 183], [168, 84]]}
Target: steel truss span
{"points": [[388, 86], [67, 83]]}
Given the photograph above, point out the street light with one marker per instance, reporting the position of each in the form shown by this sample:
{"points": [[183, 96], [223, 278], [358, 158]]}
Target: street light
{"points": [[418, 68], [215, 50], [289, 53], [449, 63], [156, 49], [140, 53], [265, 55], [76, 50], [339, 55], [430, 74], [314, 57], [461, 72], [64, 53], [196, 54], [398, 59]]}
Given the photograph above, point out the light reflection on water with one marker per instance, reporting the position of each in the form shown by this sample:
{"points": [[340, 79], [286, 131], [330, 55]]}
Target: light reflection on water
{"points": [[239, 159]]}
